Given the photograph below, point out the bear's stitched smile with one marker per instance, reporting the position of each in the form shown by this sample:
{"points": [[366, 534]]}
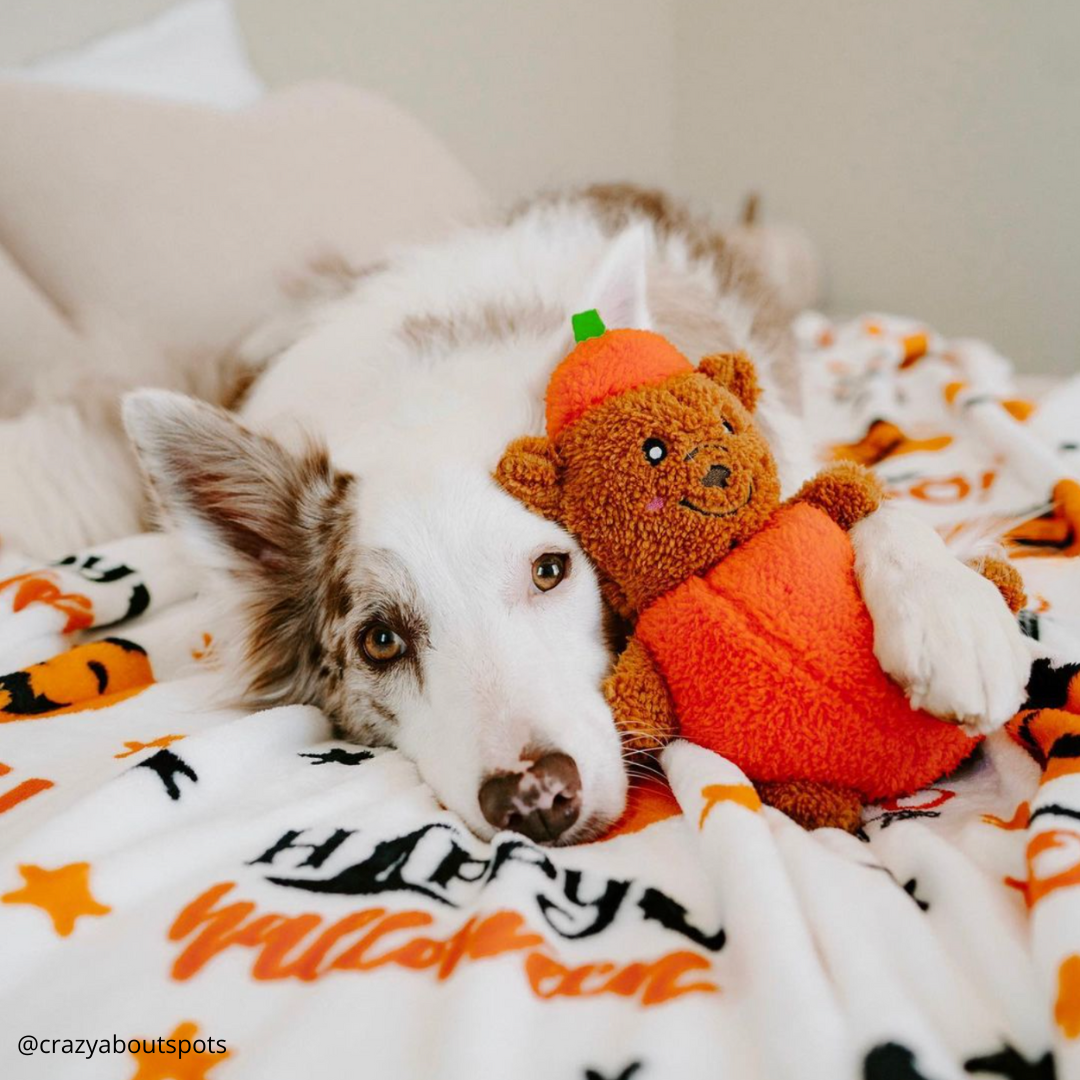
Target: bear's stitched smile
{"points": [[724, 513]]}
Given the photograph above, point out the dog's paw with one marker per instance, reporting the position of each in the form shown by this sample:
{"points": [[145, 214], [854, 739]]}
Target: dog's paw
{"points": [[955, 648], [941, 630]]}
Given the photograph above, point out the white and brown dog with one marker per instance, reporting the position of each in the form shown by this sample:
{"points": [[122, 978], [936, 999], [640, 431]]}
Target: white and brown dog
{"points": [[384, 577]]}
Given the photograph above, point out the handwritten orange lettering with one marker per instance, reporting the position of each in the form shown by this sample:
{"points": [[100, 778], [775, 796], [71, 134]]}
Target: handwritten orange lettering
{"points": [[215, 927]]}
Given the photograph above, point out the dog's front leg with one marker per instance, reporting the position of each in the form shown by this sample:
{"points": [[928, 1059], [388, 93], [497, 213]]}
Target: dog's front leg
{"points": [[940, 629]]}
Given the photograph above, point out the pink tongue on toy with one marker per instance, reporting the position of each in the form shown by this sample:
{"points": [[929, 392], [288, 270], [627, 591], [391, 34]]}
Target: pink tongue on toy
{"points": [[653, 505]]}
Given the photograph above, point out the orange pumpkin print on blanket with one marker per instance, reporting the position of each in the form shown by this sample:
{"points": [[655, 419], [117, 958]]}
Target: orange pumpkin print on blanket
{"points": [[90, 676]]}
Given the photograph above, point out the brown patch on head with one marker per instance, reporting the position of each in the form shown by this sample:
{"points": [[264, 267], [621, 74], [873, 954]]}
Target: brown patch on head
{"points": [[619, 205], [490, 322], [338, 594], [294, 603], [285, 526], [329, 595]]}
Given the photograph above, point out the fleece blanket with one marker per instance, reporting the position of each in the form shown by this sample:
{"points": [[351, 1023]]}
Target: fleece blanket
{"points": [[189, 891]]}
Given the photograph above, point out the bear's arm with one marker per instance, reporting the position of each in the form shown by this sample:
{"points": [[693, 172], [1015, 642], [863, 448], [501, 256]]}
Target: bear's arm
{"points": [[846, 492], [640, 702], [1007, 579]]}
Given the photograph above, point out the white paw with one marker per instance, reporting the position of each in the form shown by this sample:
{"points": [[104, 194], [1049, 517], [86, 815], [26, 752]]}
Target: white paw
{"points": [[940, 629]]}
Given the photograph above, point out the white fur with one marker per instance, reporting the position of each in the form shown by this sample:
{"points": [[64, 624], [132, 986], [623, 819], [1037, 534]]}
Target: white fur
{"points": [[940, 630], [508, 667]]}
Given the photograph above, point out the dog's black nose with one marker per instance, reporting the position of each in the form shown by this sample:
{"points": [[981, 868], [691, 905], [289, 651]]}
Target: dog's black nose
{"points": [[542, 802], [717, 476]]}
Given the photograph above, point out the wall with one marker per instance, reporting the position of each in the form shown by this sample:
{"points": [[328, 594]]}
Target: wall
{"points": [[528, 94], [932, 149]]}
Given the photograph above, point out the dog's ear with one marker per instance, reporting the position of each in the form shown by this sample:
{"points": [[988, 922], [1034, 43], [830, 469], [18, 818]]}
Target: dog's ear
{"points": [[240, 499], [529, 470], [734, 372], [618, 287]]}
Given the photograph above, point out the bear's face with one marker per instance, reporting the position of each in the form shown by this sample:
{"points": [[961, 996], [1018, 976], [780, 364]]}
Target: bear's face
{"points": [[662, 482], [658, 482]]}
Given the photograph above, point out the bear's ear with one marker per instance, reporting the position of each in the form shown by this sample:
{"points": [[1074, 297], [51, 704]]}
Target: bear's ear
{"points": [[529, 470], [734, 372]]}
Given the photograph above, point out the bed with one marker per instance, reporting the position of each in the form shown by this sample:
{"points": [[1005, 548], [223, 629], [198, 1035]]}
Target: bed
{"points": [[189, 890]]}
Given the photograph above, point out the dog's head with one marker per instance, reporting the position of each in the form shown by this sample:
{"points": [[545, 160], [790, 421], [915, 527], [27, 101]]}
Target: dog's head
{"points": [[399, 587], [426, 610]]}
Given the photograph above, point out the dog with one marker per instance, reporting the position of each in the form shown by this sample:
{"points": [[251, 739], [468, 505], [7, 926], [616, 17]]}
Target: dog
{"points": [[381, 574]]}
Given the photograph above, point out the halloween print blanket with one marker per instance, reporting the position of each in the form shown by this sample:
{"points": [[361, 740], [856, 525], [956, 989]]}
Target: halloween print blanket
{"points": [[189, 891]]}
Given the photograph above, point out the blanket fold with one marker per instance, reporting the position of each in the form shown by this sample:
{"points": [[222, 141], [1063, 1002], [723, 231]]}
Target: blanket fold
{"points": [[269, 901]]}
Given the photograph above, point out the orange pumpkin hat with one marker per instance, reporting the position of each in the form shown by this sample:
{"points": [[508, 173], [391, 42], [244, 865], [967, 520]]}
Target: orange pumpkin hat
{"points": [[602, 367]]}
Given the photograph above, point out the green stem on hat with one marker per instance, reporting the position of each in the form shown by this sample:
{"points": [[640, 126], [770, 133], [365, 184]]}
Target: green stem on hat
{"points": [[588, 324]]}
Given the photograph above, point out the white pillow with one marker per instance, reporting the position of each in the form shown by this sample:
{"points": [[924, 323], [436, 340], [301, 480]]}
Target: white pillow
{"points": [[193, 52]]}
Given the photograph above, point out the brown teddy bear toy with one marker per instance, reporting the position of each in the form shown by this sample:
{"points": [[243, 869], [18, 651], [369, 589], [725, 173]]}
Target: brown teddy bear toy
{"points": [[750, 634]]}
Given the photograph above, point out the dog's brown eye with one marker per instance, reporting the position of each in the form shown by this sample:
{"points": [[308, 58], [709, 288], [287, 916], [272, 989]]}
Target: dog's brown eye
{"points": [[727, 427], [382, 645], [549, 570]]}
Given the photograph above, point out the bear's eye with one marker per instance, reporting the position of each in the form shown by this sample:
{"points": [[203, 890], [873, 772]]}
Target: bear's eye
{"points": [[549, 570], [727, 426], [655, 451]]}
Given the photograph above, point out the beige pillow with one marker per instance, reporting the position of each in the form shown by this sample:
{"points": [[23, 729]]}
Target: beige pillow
{"points": [[137, 236], [185, 222]]}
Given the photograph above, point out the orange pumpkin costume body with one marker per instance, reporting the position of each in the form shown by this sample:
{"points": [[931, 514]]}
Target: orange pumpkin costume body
{"points": [[749, 653], [750, 634]]}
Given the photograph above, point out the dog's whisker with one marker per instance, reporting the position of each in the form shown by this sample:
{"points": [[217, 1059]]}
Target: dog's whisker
{"points": [[637, 755], [644, 771], [631, 751], [643, 735]]}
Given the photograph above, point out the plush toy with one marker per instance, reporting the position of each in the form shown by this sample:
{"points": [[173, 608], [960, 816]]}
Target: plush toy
{"points": [[750, 634]]}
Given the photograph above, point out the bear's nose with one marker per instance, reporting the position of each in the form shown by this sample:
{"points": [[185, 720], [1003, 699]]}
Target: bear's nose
{"points": [[717, 476]]}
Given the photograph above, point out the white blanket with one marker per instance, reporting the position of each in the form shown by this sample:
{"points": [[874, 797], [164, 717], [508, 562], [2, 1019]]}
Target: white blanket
{"points": [[268, 901]]}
